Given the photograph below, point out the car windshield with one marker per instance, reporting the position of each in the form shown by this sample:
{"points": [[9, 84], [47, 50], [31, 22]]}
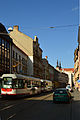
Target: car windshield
{"points": [[60, 92]]}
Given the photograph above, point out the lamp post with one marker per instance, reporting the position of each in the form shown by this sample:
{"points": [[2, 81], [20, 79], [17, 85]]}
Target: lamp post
{"points": [[10, 29]]}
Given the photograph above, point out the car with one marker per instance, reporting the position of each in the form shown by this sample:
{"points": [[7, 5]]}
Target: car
{"points": [[61, 95], [68, 87]]}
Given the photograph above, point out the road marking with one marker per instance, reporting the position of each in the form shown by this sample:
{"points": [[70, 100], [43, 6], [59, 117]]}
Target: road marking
{"points": [[39, 97], [7, 107], [11, 116]]}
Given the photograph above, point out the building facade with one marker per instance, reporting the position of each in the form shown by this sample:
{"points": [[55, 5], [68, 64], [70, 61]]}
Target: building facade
{"points": [[51, 72], [45, 69], [76, 66], [25, 43], [5, 51], [31, 48], [79, 49], [77, 63], [19, 61], [70, 73], [37, 59]]}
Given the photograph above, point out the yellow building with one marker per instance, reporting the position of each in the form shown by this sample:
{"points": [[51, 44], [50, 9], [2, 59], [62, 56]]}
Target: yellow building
{"points": [[37, 59], [31, 48], [76, 67]]}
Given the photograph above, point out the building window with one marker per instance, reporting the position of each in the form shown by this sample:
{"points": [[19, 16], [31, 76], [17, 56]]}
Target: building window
{"points": [[0, 41], [3, 42], [19, 58], [8, 46], [13, 54], [16, 56]]}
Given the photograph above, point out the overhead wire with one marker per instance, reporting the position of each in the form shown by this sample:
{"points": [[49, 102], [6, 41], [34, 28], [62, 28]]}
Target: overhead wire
{"points": [[51, 27]]}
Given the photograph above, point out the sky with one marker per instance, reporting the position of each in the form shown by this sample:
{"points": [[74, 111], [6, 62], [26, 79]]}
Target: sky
{"points": [[35, 17]]}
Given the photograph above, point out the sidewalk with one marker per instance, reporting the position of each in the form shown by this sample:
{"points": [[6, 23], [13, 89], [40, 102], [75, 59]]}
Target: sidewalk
{"points": [[76, 95], [0, 95], [75, 105]]}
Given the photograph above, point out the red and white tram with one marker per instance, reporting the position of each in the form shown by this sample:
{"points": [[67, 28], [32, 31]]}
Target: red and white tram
{"points": [[16, 84]]}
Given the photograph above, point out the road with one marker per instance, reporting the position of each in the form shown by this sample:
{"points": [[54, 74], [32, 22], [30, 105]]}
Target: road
{"points": [[40, 107]]}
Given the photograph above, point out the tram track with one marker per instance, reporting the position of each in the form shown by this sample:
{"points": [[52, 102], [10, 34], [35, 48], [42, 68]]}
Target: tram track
{"points": [[21, 106]]}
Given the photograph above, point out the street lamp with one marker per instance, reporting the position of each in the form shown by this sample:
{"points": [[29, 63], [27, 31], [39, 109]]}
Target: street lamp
{"points": [[10, 29]]}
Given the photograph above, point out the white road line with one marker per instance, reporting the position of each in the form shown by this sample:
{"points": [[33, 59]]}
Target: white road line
{"points": [[7, 107], [11, 116]]}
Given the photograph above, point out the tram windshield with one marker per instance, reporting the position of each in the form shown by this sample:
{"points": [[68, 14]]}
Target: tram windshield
{"points": [[7, 82]]}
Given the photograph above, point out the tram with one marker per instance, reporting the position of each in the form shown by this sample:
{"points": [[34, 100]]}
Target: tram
{"points": [[17, 84]]}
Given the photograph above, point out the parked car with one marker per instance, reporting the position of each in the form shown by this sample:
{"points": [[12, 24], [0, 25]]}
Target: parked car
{"points": [[68, 87], [61, 95]]}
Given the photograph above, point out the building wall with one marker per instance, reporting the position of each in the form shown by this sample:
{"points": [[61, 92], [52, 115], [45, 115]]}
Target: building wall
{"points": [[32, 49], [76, 66], [30, 66], [25, 43], [46, 69], [51, 73], [5, 51], [37, 59], [60, 78], [19, 61]]}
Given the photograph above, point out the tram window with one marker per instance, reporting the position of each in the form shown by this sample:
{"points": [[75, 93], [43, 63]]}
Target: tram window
{"points": [[15, 83], [20, 83], [7, 82], [28, 84]]}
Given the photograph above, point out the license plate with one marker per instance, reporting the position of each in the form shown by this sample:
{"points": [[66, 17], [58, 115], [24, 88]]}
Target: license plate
{"points": [[60, 96]]}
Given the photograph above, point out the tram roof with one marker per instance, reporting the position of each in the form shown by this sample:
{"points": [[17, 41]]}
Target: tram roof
{"points": [[19, 76]]}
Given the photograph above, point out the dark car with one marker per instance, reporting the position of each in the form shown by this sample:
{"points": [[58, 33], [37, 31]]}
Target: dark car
{"points": [[61, 95]]}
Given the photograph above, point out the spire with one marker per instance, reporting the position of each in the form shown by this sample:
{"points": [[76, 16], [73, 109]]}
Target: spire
{"points": [[60, 65], [57, 63]]}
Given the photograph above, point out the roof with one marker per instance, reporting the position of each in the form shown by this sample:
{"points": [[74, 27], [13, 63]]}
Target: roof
{"points": [[68, 69], [79, 34], [4, 33], [2, 28]]}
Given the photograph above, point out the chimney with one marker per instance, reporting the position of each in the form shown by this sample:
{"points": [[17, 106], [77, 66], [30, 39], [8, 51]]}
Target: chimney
{"points": [[16, 27], [46, 57]]}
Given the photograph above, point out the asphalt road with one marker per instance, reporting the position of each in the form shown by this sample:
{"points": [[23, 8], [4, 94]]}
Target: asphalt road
{"points": [[40, 107]]}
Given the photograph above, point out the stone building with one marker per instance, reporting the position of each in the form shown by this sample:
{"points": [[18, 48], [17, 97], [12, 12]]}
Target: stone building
{"points": [[25, 43], [70, 73], [19, 60], [31, 48], [61, 77], [77, 63], [45, 69], [37, 59], [76, 66], [51, 72], [79, 49]]}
